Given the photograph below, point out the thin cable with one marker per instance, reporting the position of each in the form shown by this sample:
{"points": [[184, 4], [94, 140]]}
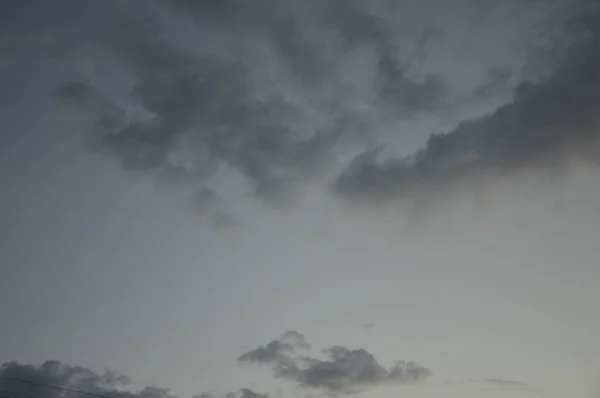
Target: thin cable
{"points": [[49, 386]]}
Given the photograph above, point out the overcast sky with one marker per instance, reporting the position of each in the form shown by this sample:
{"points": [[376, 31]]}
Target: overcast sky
{"points": [[286, 198]]}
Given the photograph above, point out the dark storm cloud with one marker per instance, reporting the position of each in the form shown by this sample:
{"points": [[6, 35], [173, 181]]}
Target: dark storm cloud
{"points": [[281, 121], [206, 110], [54, 373], [74, 91], [112, 134], [343, 370], [548, 123], [342, 26]]}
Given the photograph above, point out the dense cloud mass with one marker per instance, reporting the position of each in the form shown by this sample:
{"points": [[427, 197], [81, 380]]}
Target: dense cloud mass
{"points": [[263, 90], [343, 370], [547, 124], [277, 115]]}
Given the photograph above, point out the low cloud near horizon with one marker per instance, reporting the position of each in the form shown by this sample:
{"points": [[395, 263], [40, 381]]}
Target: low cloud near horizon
{"points": [[344, 370]]}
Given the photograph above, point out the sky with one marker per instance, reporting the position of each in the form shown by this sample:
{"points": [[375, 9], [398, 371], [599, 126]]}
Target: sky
{"points": [[305, 199]]}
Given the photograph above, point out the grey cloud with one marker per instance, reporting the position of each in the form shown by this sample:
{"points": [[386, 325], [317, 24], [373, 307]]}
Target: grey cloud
{"points": [[204, 105], [207, 110], [496, 79], [276, 350], [407, 94], [226, 13], [342, 371], [356, 26], [347, 370], [276, 21], [341, 25], [54, 373], [108, 384], [306, 59], [548, 123], [74, 91]]}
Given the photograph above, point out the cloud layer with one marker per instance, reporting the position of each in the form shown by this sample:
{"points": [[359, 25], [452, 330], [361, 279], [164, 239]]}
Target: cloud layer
{"points": [[280, 91], [548, 124], [343, 370], [277, 114]]}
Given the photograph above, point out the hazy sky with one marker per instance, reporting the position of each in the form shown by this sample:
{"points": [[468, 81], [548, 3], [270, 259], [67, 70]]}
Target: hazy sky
{"points": [[286, 198]]}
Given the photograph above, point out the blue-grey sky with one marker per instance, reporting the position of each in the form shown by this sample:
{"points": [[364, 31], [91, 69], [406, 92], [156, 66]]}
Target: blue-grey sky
{"points": [[284, 198]]}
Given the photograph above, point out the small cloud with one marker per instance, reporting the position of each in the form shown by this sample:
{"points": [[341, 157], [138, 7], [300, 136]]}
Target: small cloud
{"points": [[343, 370]]}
